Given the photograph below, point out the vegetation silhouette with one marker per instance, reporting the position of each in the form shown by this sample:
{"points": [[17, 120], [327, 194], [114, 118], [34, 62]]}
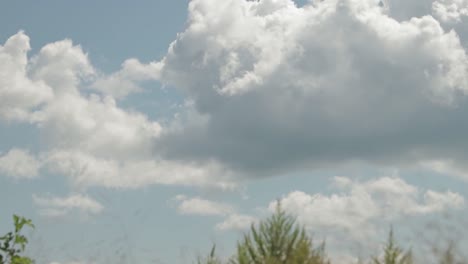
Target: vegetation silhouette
{"points": [[13, 244], [279, 239]]}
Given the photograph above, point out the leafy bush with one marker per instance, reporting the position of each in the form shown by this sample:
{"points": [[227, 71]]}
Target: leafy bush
{"points": [[281, 240], [13, 244], [393, 254], [210, 259], [278, 240]]}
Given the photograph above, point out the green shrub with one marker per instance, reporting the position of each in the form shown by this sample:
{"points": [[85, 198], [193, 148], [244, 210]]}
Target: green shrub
{"points": [[278, 240], [13, 244], [210, 259], [393, 254]]}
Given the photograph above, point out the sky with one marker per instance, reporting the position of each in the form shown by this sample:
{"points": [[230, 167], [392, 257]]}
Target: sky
{"points": [[147, 131]]}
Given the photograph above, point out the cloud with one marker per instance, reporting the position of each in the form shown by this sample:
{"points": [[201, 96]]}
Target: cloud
{"points": [[272, 88], [358, 204], [97, 125], [125, 81], [51, 206], [450, 10], [447, 167], [62, 66], [356, 215], [277, 88], [88, 137], [203, 207], [19, 164], [53, 80], [18, 93], [86, 170], [238, 222]]}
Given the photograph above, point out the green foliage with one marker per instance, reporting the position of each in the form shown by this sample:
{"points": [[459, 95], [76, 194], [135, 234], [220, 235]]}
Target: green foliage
{"points": [[13, 244], [393, 254], [210, 259], [278, 240]]}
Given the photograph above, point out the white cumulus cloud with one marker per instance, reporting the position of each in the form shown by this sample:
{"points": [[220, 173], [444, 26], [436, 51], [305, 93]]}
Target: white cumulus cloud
{"points": [[282, 87], [356, 215], [272, 87], [20, 164], [357, 204], [125, 81], [19, 94], [88, 137], [450, 10]]}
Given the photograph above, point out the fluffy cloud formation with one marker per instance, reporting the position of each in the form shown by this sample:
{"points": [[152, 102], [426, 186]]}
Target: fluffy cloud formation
{"points": [[356, 215], [51, 206], [450, 10], [20, 164], [358, 204], [280, 87], [18, 93], [87, 137], [97, 125], [199, 206], [62, 66], [124, 82], [272, 88]]}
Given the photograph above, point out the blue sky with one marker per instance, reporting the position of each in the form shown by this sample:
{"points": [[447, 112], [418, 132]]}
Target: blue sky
{"points": [[145, 132]]}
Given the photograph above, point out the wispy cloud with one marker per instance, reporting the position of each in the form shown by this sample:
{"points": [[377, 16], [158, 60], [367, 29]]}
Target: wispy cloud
{"points": [[52, 206], [20, 164], [203, 207]]}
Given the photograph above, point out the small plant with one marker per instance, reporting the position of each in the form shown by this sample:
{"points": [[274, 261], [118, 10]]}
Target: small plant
{"points": [[278, 240], [13, 244], [393, 254], [210, 259]]}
